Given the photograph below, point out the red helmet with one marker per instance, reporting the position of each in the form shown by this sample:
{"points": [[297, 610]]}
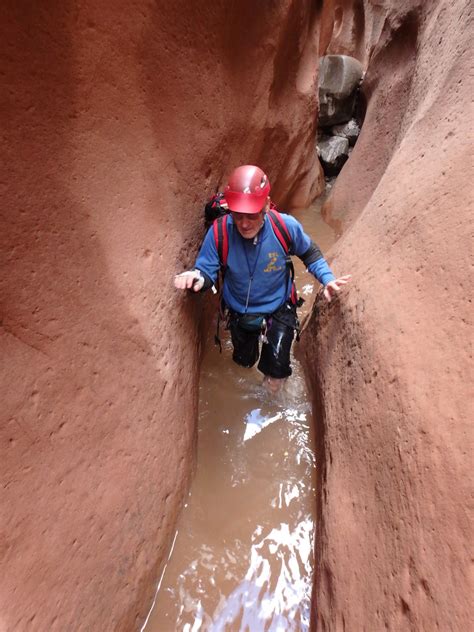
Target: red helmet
{"points": [[247, 190]]}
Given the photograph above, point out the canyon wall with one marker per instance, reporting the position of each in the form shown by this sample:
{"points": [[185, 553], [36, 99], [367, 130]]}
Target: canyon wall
{"points": [[390, 359], [119, 119]]}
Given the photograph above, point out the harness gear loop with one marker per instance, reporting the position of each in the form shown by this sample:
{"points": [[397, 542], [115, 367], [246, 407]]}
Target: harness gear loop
{"points": [[263, 331], [221, 315]]}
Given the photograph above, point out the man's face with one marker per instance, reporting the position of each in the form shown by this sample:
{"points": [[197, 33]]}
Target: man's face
{"points": [[249, 224]]}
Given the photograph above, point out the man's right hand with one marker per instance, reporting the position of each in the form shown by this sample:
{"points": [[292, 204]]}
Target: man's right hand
{"points": [[333, 287], [191, 280]]}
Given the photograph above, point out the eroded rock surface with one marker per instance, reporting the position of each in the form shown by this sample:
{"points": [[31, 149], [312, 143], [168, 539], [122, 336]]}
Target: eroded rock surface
{"points": [[392, 356], [119, 121]]}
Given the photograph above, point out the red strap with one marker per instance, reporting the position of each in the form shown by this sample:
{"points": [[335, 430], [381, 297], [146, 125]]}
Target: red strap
{"points": [[225, 242], [215, 230], [280, 229], [221, 239], [293, 294]]}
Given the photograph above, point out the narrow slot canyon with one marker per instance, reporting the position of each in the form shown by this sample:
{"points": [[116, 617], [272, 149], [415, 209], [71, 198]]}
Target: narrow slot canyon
{"points": [[242, 557], [342, 503]]}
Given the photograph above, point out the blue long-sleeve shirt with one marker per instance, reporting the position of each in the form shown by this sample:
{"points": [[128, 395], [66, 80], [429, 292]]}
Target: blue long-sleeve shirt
{"points": [[270, 286]]}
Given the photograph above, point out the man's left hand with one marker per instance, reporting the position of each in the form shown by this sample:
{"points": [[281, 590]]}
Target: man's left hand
{"points": [[333, 287]]}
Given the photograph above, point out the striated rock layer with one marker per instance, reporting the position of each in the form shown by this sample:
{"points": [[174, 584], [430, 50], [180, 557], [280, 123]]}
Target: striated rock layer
{"points": [[390, 359], [118, 120]]}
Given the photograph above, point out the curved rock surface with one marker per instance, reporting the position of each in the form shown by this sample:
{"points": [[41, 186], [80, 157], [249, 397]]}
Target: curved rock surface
{"points": [[391, 358], [119, 120]]}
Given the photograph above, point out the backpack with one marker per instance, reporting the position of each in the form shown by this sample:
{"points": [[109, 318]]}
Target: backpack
{"points": [[216, 207]]}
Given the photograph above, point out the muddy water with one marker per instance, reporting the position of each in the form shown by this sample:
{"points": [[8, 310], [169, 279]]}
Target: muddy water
{"points": [[242, 558]]}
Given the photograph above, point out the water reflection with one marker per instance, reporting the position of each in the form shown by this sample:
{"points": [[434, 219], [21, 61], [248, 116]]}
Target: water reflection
{"points": [[243, 556], [273, 596], [255, 422]]}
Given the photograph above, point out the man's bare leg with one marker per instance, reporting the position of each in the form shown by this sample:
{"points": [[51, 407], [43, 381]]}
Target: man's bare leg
{"points": [[273, 384]]}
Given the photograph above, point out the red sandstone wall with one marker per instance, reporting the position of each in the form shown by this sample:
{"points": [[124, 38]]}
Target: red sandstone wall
{"points": [[391, 358], [118, 119]]}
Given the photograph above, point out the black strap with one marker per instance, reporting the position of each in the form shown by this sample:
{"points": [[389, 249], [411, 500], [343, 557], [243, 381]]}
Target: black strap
{"points": [[220, 240], [217, 337]]}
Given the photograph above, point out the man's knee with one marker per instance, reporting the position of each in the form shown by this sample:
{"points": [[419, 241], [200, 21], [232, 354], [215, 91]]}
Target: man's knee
{"points": [[245, 344], [275, 357], [244, 360]]}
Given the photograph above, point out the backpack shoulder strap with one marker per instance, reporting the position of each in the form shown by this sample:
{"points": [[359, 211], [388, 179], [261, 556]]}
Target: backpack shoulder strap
{"points": [[279, 228], [282, 233], [221, 238]]}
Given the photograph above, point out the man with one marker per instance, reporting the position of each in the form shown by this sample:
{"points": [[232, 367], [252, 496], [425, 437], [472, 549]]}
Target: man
{"points": [[257, 288]]}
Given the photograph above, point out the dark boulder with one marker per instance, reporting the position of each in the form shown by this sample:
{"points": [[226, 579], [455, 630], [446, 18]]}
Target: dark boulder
{"points": [[339, 78]]}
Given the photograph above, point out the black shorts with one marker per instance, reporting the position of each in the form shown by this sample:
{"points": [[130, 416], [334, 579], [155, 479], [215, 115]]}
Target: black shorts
{"points": [[275, 353]]}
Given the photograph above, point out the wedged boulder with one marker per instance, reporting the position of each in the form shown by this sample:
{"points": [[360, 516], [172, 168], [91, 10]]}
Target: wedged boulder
{"points": [[333, 152], [349, 130], [339, 78]]}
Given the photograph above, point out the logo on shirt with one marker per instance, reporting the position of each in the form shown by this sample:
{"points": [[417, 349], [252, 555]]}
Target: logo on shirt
{"points": [[271, 267]]}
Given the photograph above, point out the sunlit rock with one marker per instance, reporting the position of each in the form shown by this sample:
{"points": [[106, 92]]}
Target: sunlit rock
{"points": [[333, 153], [349, 130]]}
